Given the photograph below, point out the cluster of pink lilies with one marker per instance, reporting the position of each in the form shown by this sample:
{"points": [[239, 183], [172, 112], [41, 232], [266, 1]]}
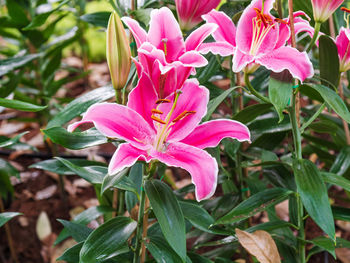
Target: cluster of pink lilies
{"points": [[161, 120]]}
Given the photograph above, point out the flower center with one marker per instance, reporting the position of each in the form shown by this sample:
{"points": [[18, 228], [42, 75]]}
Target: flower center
{"points": [[262, 24], [164, 126], [346, 15], [165, 41]]}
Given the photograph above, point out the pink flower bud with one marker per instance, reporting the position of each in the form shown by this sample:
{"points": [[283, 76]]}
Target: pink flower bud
{"points": [[190, 11], [323, 9], [118, 51]]}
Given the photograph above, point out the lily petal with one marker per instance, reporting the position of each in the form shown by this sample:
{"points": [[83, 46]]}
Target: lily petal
{"points": [[137, 31], [118, 121], [125, 156], [289, 58], [226, 31], [143, 97], [165, 31], [217, 48], [202, 167], [240, 61], [196, 38], [193, 59], [209, 134], [192, 98]]}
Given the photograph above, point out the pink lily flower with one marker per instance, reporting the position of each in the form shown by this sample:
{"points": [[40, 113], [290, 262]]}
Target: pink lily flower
{"points": [[162, 52], [190, 11], [259, 38], [167, 130], [323, 9], [343, 44]]}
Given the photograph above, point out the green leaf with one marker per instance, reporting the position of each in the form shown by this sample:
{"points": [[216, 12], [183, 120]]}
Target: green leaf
{"points": [[341, 164], [214, 103], [329, 61], [56, 166], [255, 204], [324, 243], [333, 100], [7, 216], [168, 212], [75, 140], [135, 175], [78, 231], [71, 255], [324, 126], [279, 94], [16, 12], [6, 170], [161, 250], [97, 19], [80, 105], [93, 174], [10, 64], [341, 213], [120, 181], [84, 218], [40, 19], [313, 193], [13, 140], [20, 105], [335, 179], [200, 218], [250, 113], [107, 240]]}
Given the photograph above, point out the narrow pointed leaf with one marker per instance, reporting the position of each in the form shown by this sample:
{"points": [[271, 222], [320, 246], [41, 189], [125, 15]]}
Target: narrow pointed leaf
{"points": [[168, 212], [107, 240], [20, 105], [313, 193], [279, 94], [75, 140], [80, 105], [7, 216], [255, 204], [329, 61]]}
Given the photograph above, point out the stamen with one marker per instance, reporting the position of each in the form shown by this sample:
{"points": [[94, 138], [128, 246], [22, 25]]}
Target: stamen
{"points": [[165, 40], [163, 101], [157, 119], [183, 115], [347, 10], [281, 21], [156, 111]]}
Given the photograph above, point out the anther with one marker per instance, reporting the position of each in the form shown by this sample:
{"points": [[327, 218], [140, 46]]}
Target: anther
{"points": [[156, 111], [281, 21], [163, 101], [157, 119], [183, 115], [347, 10]]}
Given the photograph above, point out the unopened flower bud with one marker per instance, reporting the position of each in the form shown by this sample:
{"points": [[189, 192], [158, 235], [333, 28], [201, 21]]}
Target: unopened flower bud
{"points": [[118, 52]]}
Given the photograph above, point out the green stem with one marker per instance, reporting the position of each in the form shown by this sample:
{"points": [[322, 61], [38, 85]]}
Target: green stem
{"points": [[295, 129], [301, 232], [314, 38], [313, 117], [298, 155], [121, 194], [138, 238], [253, 91]]}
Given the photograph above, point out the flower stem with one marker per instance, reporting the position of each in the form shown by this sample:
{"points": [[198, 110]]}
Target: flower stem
{"points": [[314, 38], [138, 238], [345, 124], [253, 91], [298, 155], [140, 234]]}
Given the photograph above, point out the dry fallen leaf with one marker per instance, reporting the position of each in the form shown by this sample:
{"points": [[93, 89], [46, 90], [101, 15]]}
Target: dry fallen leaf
{"points": [[260, 244], [343, 254], [43, 226]]}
